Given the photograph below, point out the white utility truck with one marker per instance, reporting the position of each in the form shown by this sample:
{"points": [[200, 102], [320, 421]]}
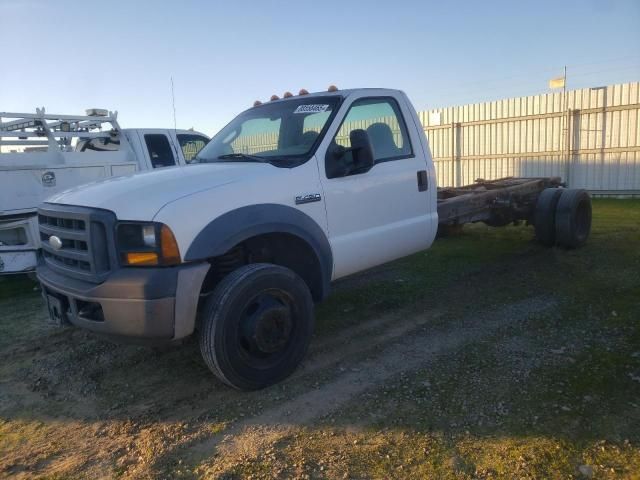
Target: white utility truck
{"points": [[290, 195], [42, 154]]}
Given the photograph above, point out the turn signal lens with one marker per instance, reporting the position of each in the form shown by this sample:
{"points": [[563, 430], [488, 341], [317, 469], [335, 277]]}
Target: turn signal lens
{"points": [[169, 247], [141, 258]]}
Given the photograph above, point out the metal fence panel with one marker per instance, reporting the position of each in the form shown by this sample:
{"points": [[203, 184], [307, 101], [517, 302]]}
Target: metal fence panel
{"points": [[590, 138]]}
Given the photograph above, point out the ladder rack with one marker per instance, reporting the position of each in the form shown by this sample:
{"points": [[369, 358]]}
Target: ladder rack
{"points": [[54, 129]]}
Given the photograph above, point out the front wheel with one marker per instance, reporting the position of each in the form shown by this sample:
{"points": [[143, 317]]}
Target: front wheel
{"points": [[256, 326]]}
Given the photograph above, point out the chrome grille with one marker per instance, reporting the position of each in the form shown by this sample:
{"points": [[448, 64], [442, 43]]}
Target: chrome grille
{"points": [[84, 247]]}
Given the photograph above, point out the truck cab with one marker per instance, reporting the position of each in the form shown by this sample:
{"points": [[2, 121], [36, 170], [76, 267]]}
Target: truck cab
{"points": [[44, 154], [237, 246], [160, 148], [153, 147]]}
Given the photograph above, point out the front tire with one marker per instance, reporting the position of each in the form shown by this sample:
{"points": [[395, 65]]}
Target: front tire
{"points": [[256, 326]]}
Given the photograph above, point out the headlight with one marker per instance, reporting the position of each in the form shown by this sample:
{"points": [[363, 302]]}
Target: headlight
{"points": [[146, 244]]}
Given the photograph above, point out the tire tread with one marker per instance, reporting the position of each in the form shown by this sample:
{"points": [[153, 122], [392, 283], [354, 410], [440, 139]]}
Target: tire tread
{"points": [[211, 316], [545, 215]]}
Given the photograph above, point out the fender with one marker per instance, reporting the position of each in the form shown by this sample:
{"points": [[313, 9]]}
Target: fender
{"points": [[235, 226]]}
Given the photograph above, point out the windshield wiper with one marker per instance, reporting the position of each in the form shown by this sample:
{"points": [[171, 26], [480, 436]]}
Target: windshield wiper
{"points": [[243, 156]]}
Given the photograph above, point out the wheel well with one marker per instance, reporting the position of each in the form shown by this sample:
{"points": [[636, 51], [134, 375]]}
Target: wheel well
{"points": [[283, 249]]}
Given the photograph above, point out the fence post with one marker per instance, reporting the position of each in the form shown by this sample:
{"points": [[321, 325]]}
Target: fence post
{"points": [[565, 148], [603, 142], [575, 143], [452, 137], [456, 153]]}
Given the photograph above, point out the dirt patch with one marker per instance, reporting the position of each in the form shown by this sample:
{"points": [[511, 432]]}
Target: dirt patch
{"points": [[408, 352]]}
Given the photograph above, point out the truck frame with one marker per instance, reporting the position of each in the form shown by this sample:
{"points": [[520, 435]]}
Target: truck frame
{"points": [[508, 200]]}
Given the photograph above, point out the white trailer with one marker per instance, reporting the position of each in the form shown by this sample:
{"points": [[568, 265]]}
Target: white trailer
{"points": [[42, 154]]}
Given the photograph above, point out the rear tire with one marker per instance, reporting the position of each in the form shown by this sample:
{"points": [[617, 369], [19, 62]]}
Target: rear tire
{"points": [[256, 326], [545, 216], [573, 218]]}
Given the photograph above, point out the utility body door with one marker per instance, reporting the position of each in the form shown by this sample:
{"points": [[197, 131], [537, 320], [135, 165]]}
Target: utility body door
{"points": [[388, 211]]}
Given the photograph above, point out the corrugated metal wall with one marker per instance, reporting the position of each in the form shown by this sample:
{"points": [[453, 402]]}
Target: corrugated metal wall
{"points": [[590, 138]]}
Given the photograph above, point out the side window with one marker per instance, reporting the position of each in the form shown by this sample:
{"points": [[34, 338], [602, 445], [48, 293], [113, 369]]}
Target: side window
{"points": [[191, 144], [159, 150], [382, 120], [99, 144]]}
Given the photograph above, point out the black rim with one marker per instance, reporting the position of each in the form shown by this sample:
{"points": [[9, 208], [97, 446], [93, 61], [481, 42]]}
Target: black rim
{"points": [[266, 327]]}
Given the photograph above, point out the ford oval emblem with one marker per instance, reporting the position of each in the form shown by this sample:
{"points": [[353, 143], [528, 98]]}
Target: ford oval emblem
{"points": [[49, 179], [55, 242]]}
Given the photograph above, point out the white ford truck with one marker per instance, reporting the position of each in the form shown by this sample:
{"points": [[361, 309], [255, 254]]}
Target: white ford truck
{"points": [[290, 195], [44, 153]]}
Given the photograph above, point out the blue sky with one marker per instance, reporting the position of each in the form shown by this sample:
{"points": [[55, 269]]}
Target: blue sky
{"points": [[70, 55]]}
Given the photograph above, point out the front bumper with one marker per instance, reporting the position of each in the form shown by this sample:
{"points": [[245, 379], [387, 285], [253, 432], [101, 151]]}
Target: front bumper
{"points": [[19, 241], [17, 261], [139, 304]]}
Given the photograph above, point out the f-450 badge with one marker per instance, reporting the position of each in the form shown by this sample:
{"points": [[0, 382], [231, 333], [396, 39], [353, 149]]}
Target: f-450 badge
{"points": [[308, 198]]}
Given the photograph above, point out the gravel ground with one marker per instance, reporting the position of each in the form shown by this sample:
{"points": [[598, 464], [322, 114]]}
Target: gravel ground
{"points": [[485, 357]]}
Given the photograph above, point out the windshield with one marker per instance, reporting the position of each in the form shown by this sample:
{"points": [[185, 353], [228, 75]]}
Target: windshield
{"points": [[282, 133]]}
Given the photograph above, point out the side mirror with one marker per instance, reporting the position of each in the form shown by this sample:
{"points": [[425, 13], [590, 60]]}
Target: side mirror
{"points": [[358, 158], [363, 159]]}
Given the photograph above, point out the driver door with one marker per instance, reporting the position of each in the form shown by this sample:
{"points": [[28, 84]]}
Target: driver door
{"points": [[383, 213]]}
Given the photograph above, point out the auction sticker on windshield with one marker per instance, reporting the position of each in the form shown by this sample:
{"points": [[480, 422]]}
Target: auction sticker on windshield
{"points": [[313, 108]]}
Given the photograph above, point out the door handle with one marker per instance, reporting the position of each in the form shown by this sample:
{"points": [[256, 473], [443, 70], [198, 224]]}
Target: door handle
{"points": [[423, 181]]}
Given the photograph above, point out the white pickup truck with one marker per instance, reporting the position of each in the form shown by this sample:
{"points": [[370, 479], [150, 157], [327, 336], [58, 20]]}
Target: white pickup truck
{"points": [[41, 154], [290, 195]]}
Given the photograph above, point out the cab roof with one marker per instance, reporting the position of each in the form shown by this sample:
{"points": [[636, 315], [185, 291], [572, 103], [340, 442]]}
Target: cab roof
{"points": [[337, 93]]}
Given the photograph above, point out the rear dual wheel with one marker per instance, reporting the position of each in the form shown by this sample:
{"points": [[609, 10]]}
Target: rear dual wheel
{"points": [[545, 216], [256, 326], [573, 218], [563, 217]]}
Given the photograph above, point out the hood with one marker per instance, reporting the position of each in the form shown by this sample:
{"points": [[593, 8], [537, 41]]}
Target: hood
{"points": [[141, 195]]}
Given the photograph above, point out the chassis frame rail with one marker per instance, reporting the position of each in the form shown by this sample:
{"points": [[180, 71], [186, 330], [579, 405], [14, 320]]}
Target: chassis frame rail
{"points": [[495, 202]]}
